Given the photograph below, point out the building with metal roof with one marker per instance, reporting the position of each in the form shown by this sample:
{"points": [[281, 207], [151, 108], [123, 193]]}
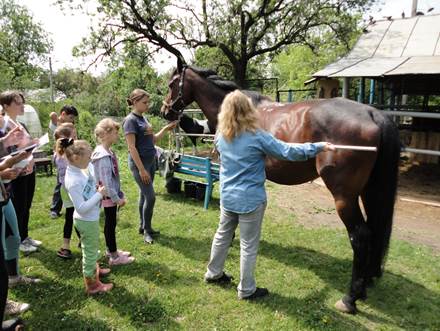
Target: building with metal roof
{"points": [[401, 60], [405, 46]]}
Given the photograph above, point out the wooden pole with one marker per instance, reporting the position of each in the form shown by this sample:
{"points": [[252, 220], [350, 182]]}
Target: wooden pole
{"points": [[357, 148]]}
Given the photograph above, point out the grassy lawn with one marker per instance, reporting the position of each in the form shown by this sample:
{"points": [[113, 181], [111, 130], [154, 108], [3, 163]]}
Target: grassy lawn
{"points": [[307, 271]]}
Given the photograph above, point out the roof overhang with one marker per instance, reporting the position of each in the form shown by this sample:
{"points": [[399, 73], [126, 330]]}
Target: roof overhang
{"points": [[393, 47]]}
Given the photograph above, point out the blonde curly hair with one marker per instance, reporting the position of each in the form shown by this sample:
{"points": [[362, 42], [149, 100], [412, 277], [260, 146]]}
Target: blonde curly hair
{"points": [[237, 115], [105, 126]]}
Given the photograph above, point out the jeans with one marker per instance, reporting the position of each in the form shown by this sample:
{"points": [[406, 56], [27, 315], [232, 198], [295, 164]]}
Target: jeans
{"points": [[3, 272], [147, 196], [11, 239], [250, 231]]}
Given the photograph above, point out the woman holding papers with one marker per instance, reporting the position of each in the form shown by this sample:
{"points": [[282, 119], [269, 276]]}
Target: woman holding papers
{"points": [[23, 187]]}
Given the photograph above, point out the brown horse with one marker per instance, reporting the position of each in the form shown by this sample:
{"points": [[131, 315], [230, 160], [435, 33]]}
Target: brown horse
{"points": [[348, 174]]}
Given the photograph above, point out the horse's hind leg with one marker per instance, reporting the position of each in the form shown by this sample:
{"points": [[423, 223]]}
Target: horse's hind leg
{"points": [[359, 234]]}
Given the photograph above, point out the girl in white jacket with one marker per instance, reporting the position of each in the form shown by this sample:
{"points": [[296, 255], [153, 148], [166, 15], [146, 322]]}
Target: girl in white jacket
{"points": [[86, 197]]}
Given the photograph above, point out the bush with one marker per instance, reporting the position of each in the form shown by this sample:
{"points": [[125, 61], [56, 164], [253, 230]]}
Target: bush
{"points": [[86, 127]]}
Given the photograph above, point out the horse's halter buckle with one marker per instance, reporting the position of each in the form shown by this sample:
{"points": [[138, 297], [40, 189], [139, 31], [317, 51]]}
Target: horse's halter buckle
{"points": [[178, 105]]}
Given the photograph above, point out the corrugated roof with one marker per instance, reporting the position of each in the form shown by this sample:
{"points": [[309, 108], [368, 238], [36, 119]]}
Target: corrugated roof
{"points": [[392, 47]]}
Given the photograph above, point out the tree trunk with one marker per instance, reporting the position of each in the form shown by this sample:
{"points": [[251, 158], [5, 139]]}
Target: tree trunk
{"points": [[240, 73]]}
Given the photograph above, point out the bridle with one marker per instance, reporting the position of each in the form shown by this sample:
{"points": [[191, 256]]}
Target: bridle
{"points": [[178, 105]]}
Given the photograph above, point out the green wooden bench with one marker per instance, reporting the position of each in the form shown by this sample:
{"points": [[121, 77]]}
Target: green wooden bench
{"points": [[201, 167]]}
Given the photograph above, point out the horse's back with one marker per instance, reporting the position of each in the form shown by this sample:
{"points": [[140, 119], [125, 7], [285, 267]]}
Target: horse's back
{"points": [[337, 120]]}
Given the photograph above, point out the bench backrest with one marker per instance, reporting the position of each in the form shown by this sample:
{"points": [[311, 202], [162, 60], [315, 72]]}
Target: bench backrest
{"points": [[198, 166]]}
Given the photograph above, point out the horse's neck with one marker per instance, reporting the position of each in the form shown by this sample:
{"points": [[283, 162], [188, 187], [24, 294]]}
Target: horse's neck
{"points": [[209, 98]]}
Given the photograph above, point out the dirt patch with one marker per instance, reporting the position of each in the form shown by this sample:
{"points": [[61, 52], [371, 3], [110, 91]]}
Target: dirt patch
{"points": [[413, 222]]}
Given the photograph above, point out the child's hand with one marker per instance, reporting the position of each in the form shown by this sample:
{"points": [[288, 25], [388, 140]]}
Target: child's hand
{"points": [[122, 202], [171, 125], [102, 190]]}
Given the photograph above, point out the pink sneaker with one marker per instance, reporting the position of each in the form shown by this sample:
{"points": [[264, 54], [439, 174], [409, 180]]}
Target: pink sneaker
{"points": [[120, 260], [108, 254]]}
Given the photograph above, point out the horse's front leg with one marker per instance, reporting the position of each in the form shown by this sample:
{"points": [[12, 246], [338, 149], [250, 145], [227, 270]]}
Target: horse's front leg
{"points": [[359, 235]]}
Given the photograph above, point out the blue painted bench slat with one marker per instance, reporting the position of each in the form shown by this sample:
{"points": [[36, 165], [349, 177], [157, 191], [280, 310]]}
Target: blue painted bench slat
{"points": [[201, 167]]}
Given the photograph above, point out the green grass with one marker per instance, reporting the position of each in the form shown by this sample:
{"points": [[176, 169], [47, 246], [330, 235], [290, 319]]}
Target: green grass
{"points": [[306, 270]]}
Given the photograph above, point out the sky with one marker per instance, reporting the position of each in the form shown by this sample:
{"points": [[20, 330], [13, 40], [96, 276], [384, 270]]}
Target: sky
{"points": [[66, 31]]}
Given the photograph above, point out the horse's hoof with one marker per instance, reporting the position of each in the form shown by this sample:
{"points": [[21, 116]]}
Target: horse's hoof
{"points": [[345, 308]]}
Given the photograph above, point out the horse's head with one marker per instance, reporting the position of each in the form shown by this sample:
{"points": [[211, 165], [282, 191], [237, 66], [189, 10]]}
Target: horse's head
{"points": [[178, 96]]}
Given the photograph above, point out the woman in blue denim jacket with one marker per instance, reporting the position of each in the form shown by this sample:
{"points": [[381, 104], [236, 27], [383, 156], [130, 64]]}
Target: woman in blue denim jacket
{"points": [[243, 147]]}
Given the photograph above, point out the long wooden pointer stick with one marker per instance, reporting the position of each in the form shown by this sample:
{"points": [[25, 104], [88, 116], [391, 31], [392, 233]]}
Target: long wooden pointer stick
{"points": [[357, 148]]}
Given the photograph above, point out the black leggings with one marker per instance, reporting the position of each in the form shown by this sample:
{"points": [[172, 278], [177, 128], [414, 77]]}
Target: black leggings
{"points": [[68, 224], [23, 189], [110, 228], [3, 272]]}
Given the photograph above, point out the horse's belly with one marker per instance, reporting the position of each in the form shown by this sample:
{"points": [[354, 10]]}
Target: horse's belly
{"points": [[290, 173]]}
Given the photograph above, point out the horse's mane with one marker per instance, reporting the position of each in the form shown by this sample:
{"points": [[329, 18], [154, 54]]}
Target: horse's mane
{"points": [[227, 85]]}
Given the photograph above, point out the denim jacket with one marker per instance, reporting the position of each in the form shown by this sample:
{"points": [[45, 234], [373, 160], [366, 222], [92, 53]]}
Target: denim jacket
{"points": [[242, 172]]}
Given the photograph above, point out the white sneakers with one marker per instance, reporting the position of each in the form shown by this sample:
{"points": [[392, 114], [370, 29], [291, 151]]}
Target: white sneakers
{"points": [[120, 260], [15, 308], [26, 249], [32, 242], [29, 245], [20, 279]]}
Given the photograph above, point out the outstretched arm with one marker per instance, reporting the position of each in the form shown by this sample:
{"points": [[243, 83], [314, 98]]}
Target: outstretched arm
{"points": [[166, 128], [292, 151]]}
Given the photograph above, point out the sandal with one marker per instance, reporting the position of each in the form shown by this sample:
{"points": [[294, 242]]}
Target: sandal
{"points": [[64, 253]]}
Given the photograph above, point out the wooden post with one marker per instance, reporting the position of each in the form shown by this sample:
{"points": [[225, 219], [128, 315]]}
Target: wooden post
{"points": [[345, 87]]}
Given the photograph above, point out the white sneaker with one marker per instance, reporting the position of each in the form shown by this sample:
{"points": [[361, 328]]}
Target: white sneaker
{"points": [[17, 280], [120, 260], [120, 252], [15, 308], [26, 248], [32, 242]]}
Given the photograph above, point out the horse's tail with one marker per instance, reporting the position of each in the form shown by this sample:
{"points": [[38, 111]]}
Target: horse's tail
{"points": [[380, 192]]}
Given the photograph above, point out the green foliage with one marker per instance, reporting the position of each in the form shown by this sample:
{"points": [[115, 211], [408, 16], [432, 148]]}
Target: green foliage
{"points": [[213, 58], [23, 44], [297, 63], [86, 126], [73, 82], [107, 95]]}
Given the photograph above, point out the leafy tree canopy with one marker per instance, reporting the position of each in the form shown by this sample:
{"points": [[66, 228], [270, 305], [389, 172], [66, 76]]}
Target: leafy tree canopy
{"points": [[297, 63], [241, 29], [23, 45]]}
